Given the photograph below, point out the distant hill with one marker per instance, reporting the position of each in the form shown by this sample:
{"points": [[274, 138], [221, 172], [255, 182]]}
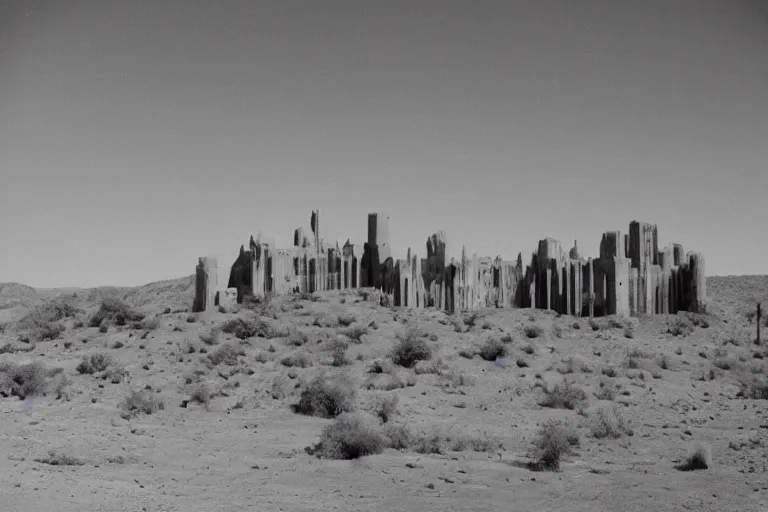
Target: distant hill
{"points": [[16, 300]]}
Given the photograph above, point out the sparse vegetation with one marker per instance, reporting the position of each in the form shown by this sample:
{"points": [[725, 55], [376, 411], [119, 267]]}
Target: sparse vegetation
{"points": [[493, 349], [142, 401], [23, 380], [350, 436], [227, 354], [55, 458], [563, 396], [354, 332], [326, 397], [114, 311], [211, 337], [410, 349], [552, 442], [533, 331], [94, 363], [699, 458], [385, 406], [609, 423]]}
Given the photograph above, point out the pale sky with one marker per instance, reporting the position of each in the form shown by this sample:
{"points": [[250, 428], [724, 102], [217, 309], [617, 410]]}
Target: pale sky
{"points": [[136, 136]]}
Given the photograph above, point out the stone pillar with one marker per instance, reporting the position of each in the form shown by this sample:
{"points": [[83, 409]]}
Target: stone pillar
{"points": [[591, 277], [620, 293], [567, 279], [549, 289], [698, 282], [206, 284]]}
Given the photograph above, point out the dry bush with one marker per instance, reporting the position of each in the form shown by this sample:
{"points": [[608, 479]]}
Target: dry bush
{"points": [[339, 353], [434, 367], [381, 366], [754, 387], [493, 349], [389, 382], [211, 337], [533, 331], [699, 458], [529, 349], [459, 378], [385, 406], [354, 332], [679, 326], [609, 423], [563, 396], [574, 364], [326, 397], [629, 333], [607, 391], [467, 353], [346, 319], [150, 324], [114, 311], [410, 349], [350, 436], [142, 402], [55, 458], [471, 319], [202, 393], [595, 325], [244, 329], [94, 363], [45, 322], [507, 338], [326, 320], [297, 338], [300, 360], [227, 354], [436, 442], [552, 441], [23, 380]]}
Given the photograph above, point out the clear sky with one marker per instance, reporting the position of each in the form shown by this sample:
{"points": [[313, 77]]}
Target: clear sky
{"points": [[138, 135]]}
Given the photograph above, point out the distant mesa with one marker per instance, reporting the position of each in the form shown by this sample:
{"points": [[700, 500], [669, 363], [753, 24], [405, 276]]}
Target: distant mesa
{"points": [[631, 275]]}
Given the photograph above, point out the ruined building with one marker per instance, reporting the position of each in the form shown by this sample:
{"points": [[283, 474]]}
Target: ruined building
{"points": [[631, 275]]}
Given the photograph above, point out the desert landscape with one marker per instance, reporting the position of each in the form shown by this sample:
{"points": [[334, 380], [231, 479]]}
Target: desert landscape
{"points": [[123, 399]]}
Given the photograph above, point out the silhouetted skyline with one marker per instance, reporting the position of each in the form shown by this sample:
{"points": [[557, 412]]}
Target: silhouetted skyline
{"points": [[137, 136]]}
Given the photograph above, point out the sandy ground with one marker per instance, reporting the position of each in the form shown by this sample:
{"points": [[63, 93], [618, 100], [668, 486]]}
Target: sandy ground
{"points": [[245, 448]]}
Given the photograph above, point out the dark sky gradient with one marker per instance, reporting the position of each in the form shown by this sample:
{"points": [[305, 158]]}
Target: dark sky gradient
{"points": [[136, 136]]}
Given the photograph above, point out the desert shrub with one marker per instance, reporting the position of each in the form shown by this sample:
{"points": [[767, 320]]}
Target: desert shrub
{"points": [[354, 332], [466, 353], [609, 423], [398, 436], [409, 350], [150, 324], [297, 338], [118, 344], [94, 363], [244, 329], [44, 322], [506, 338], [629, 333], [493, 349], [606, 392], [350, 436], [529, 349], [521, 363], [142, 401], [227, 354], [339, 354], [389, 382], [724, 363], [594, 324], [699, 458], [300, 360], [434, 367], [549, 445], [679, 326], [574, 364], [202, 393], [381, 366], [616, 322], [114, 373], [385, 407], [55, 458], [23, 380], [557, 331], [563, 396], [326, 397], [211, 337], [346, 319], [576, 325], [470, 319], [755, 388], [533, 331], [114, 311]]}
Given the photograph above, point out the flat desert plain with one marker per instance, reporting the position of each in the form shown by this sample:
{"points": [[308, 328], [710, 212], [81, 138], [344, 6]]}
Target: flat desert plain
{"points": [[121, 399]]}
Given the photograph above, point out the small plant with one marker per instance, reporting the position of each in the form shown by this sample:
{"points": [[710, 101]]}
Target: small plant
{"points": [[354, 332], [339, 351], [385, 407], [533, 331], [346, 319], [326, 397], [142, 402], [299, 360], [118, 344], [506, 338], [576, 325], [59, 459], [493, 349], [25, 380], [211, 337], [114, 311], [227, 354], [470, 319], [350, 436], [563, 396], [594, 324], [699, 458], [95, 363], [629, 333], [607, 392], [297, 338], [409, 350], [529, 349], [679, 326], [466, 353], [609, 423], [550, 444], [202, 394]]}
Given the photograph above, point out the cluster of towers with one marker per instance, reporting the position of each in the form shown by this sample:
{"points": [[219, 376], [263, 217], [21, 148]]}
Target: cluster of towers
{"points": [[631, 275]]}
